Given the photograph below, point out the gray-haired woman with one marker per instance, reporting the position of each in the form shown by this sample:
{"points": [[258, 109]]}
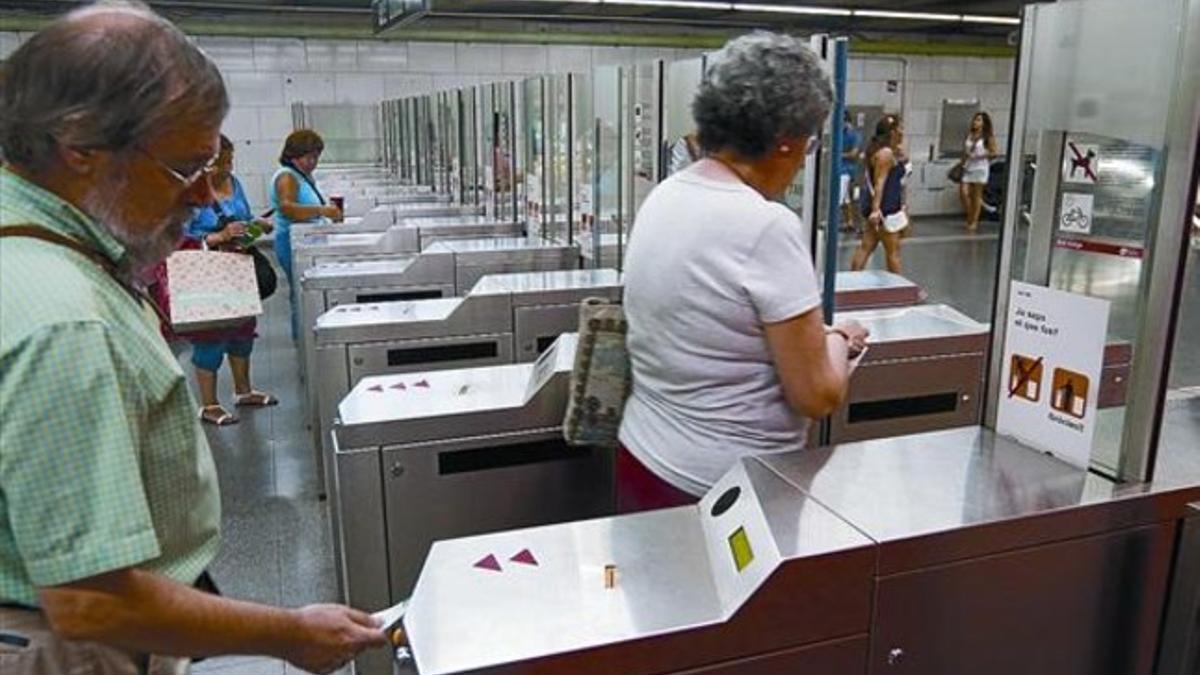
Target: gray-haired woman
{"points": [[730, 353]]}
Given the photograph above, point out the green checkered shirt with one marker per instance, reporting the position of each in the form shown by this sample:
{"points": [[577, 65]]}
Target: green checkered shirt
{"points": [[103, 464]]}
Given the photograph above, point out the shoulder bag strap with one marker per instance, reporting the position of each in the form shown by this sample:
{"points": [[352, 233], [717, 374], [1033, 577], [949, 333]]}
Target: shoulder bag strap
{"points": [[52, 237]]}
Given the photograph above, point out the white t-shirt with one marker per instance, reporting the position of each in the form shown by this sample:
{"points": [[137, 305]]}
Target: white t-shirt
{"points": [[709, 262]]}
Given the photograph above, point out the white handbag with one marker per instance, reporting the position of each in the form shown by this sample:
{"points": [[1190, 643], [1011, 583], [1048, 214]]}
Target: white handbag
{"points": [[899, 220], [895, 222]]}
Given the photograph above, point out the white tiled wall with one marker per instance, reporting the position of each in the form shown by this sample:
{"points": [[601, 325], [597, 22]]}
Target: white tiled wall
{"points": [[922, 82], [266, 75]]}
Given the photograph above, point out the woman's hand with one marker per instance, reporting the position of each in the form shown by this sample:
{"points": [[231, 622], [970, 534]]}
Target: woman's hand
{"points": [[233, 231], [855, 333], [876, 217], [332, 212]]}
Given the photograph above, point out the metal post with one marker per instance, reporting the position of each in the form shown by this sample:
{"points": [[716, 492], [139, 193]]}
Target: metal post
{"points": [[1012, 217], [840, 63]]}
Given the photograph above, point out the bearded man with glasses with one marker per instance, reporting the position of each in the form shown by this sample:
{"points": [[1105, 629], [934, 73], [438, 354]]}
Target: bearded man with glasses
{"points": [[109, 508]]}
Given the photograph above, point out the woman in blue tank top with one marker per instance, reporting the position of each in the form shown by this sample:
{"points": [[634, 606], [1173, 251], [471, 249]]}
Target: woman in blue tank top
{"points": [[296, 199], [883, 200]]}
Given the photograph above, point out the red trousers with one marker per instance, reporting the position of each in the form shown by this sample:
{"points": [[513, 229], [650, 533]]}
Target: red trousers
{"points": [[639, 489]]}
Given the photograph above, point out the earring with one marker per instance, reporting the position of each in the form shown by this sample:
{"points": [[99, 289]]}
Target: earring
{"points": [[785, 149]]}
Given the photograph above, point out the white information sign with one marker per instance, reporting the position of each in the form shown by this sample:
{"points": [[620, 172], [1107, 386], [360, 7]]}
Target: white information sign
{"points": [[1081, 162], [1050, 383], [1075, 213]]}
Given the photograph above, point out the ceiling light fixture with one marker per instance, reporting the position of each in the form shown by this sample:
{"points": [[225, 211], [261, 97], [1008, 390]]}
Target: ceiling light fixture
{"points": [[807, 10], [677, 4], [1001, 20], [918, 16], [791, 9]]}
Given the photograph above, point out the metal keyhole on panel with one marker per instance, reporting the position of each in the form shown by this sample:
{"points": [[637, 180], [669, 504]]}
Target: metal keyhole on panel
{"points": [[397, 470], [358, 361], [895, 657]]}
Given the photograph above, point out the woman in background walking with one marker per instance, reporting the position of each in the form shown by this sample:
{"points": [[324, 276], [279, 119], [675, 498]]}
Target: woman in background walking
{"points": [[978, 150]]}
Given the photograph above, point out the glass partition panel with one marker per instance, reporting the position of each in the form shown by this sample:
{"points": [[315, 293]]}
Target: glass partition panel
{"points": [[408, 142], [607, 240], [454, 143], [583, 157], [1093, 148], [487, 146], [385, 145], [647, 147], [505, 95], [681, 80], [1181, 419], [440, 151], [351, 132], [559, 158], [425, 143], [469, 105], [533, 113]]}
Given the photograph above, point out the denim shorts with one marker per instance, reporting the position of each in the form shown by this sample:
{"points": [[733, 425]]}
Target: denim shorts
{"points": [[208, 355]]}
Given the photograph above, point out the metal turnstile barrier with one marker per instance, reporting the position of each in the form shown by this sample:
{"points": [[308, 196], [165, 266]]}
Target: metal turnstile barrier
{"points": [[923, 371], [507, 318], [947, 552], [427, 456]]}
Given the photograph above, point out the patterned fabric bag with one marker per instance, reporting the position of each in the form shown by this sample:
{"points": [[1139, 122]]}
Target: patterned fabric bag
{"points": [[211, 289], [602, 378]]}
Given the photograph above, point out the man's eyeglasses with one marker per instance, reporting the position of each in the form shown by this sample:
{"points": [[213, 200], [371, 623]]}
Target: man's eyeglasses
{"points": [[187, 180]]}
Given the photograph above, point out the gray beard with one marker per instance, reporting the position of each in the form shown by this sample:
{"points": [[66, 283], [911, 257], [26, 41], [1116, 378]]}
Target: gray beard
{"points": [[143, 249]]}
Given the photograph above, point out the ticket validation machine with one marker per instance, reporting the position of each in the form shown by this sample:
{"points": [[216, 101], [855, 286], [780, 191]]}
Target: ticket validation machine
{"points": [[964, 550]]}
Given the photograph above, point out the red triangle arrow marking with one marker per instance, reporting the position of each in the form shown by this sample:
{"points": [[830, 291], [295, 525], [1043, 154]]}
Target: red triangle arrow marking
{"points": [[422, 383], [398, 385], [525, 557], [376, 388], [489, 563]]}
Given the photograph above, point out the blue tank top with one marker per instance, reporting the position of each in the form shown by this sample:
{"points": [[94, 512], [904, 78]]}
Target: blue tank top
{"points": [[306, 195], [893, 189], [208, 219]]}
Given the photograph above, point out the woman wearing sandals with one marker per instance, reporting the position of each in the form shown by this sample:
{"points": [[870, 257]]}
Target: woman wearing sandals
{"points": [[221, 225], [978, 151]]}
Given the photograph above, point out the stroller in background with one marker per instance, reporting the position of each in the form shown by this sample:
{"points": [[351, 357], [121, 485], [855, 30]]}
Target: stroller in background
{"points": [[993, 191]]}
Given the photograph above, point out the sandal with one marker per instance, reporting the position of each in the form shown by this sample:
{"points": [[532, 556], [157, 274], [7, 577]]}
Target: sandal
{"points": [[216, 416], [255, 399]]}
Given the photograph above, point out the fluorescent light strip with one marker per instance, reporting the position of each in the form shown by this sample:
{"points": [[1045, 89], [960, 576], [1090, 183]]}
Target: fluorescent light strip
{"points": [[678, 4], [921, 16], [805, 9], [1001, 20], [791, 9]]}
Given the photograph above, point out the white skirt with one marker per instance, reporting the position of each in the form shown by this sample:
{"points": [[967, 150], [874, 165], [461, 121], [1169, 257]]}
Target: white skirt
{"points": [[976, 174]]}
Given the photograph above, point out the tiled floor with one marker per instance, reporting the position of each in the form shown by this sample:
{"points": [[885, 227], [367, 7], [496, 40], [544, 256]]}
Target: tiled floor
{"points": [[277, 547], [276, 543]]}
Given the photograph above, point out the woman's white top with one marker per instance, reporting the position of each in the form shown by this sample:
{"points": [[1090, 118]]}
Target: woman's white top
{"points": [[709, 262], [978, 162]]}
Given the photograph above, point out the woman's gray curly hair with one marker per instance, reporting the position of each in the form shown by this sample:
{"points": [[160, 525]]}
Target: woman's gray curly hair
{"points": [[758, 88]]}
